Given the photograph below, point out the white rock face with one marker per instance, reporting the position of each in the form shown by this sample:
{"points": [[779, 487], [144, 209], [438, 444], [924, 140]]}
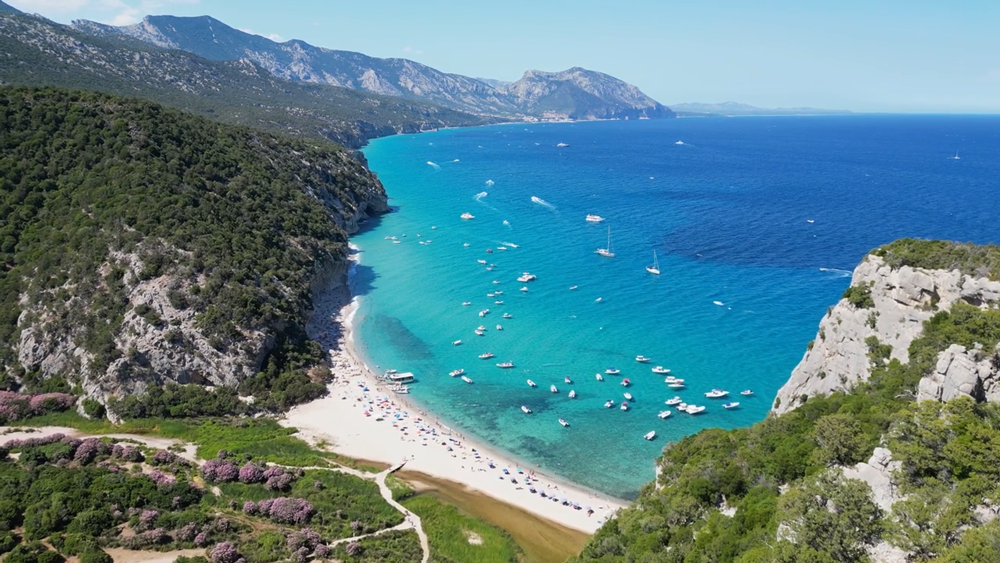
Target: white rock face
{"points": [[903, 299], [877, 472], [960, 372]]}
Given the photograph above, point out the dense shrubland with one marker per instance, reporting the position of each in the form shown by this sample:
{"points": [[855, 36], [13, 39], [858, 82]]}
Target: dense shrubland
{"points": [[950, 468]]}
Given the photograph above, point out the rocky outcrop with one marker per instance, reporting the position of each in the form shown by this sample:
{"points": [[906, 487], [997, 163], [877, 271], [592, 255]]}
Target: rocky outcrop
{"points": [[960, 372], [572, 94], [877, 473], [901, 300]]}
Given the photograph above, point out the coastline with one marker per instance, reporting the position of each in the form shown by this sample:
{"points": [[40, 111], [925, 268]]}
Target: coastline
{"points": [[361, 418]]}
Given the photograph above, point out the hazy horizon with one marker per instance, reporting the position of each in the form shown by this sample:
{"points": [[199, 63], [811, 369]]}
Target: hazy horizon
{"points": [[893, 58]]}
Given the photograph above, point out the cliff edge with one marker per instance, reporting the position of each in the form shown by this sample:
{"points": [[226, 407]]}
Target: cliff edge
{"points": [[889, 300]]}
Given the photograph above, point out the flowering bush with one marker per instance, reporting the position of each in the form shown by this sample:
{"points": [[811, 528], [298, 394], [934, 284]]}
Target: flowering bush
{"points": [[306, 537], [224, 552], [219, 471], [251, 473], [286, 510], [147, 518], [15, 406], [201, 539], [354, 549], [163, 457], [187, 532], [161, 478], [250, 507], [89, 449], [277, 479], [126, 452]]}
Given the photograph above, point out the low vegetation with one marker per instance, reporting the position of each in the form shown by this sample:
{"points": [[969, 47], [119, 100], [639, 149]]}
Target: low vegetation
{"points": [[980, 260], [457, 538]]}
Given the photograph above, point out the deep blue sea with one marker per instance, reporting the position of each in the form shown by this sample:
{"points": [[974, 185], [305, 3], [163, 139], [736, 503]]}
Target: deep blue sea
{"points": [[767, 216]]}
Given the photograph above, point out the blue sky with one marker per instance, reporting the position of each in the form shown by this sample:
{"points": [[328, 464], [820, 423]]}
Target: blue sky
{"points": [[914, 56]]}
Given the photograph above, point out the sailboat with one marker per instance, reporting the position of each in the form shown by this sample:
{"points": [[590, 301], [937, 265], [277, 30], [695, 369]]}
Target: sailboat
{"points": [[655, 268], [606, 252], [956, 157]]}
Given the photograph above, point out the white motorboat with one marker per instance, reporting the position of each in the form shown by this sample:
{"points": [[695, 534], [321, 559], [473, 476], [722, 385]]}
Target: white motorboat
{"points": [[496, 281], [497, 292], [563, 422], [456, 372], [660, 370], [484, 312], [510, 244], [650, 435], [746, 392], [600, 377], [456, 343], [405, 377], [608, 404], [486, 356], [501, 248], [467, 216], [672, 379], [505, 365], [612, 371], [508, 316], [731, 405], [626, 382], [572, 287], [466, 303], [390, 371], [567, 380], [695, 409], [490, 294], [598, 300], [483, 262], [532, 383], [641, 359], [655, 268], [481, 327], [525, 409], [466, 379], [594, 218], [716, 394], [675, 385], [606, 252], [499, 327], [572, 394], [624, 406], [663, 414], [683, 407], [553, 389], [479, 332], [674, 401], [628, 396], [466, 245], [524, 289], [397, 242], [498, 302]]}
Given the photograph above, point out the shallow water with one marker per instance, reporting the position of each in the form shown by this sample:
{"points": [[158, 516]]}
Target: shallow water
{"points": [[766, 216]]}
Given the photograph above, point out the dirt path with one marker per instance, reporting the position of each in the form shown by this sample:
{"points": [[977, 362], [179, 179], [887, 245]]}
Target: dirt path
{"points": [[412, 521]]}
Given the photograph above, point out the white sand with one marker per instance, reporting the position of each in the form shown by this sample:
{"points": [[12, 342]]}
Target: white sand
{"points": [[362, 418]]}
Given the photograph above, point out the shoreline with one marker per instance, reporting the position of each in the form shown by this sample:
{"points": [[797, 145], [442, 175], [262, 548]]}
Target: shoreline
{"points": [[361, 418]]}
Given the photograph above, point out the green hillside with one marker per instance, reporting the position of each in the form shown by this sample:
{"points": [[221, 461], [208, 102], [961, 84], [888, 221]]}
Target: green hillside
{"points": [[102, 193]]}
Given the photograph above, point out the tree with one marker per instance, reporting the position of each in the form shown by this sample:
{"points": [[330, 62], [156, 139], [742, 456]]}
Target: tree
{"points": [[831, 515], [840, 439]]}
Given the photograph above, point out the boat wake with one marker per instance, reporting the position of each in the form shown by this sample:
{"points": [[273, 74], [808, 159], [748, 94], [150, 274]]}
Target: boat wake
{"points": [[434, 165], [542, 202], [840, 273], [480, 196]]}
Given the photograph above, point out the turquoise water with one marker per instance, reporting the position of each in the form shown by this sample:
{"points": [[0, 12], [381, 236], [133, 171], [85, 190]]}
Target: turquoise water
{"points": [[728, 213]]}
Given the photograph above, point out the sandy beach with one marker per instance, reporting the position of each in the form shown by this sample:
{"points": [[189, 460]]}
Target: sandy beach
{"points": [[362, 418]]}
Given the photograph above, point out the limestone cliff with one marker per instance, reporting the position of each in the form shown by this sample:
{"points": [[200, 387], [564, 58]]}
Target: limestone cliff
{"points": [[901, 299]]}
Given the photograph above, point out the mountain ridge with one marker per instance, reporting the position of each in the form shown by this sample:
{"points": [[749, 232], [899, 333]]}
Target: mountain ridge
{"points": [[739, 109], [572, 94]]}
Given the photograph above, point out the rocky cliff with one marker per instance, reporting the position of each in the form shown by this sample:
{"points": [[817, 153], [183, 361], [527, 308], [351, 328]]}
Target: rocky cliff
{"points": [[887, 306], [572, 94]]}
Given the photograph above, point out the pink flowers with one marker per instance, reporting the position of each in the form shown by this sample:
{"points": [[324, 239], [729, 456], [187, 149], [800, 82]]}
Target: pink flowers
{"points": [[283, 510], [251, 473], [220, 471], [225, 552], [15, 406], [277, 479]]}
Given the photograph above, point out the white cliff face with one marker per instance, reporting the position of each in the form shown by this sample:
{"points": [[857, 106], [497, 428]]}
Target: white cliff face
{"points": [[903, 298], [963, 373]]}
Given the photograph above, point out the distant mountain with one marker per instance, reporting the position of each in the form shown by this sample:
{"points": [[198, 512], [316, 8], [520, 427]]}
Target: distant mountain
{"points": [[38, 52], [736, 108], [573, 94]]}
